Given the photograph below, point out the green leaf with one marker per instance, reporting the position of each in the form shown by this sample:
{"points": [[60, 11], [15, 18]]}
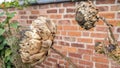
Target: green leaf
{"points": [[2, 44], [2, 31], [11, 15], [8, 52], [1, 14], [14, 25]]}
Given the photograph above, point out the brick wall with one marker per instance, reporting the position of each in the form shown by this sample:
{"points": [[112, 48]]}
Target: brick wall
{"points": [[71, 40]]}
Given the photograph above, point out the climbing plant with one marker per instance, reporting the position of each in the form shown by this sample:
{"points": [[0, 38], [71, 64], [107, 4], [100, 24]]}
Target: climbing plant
{"points": [[9, 37]]}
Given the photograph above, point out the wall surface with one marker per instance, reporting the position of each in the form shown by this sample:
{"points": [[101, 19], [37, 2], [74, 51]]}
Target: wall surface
{"points": [[71, 39]]}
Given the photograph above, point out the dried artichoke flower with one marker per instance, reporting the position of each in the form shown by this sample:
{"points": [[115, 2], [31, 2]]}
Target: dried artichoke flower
{"points": [[35, 45], [86, 15]]}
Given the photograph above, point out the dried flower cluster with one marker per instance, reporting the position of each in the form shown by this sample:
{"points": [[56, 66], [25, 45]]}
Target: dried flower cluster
{"points": [[86, 15], [37, 41]]}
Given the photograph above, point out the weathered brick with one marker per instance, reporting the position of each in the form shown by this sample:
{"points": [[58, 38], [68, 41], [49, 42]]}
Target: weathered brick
{"points": [[100, 59], [115, 8], [55, 5], [55, 16], [118, 15], [24, 17], [77, 45], [70, 49], [35, 12], [61, 10], [87, 57], [70, 27], [118, 30], [118, 1], [43, 6], [85, 51], [74, 33], [21, 12], [29, 21], [98, 65], [103, 8], [70, 39], [75, 55], [85, 40], [105, 1], [64, 22], [52, 11], [88, 63], [69, 16], [69, 4], [70, 10], [52, 59], [109, 15], [101, 28], [59, 27], [98, 35], [32, 17]]}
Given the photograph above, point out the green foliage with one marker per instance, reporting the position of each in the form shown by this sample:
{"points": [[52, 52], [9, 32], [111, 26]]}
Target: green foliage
{"points": [[8, 39]]}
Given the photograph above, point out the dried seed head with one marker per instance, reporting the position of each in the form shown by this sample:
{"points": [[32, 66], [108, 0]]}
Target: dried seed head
{"points": [[86, 15], [37, 41]]}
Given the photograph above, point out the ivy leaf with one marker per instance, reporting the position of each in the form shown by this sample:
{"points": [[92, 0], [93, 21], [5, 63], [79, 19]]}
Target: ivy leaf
{"points": [[8, 52], [14, 25], [2, 31], [1, 14]]}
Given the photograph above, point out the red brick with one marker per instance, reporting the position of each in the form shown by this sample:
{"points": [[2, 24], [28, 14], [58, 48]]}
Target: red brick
{"points": [[33, 17], [70, 49], [118, 1], [24, 17], [74, 33], [103, 8], [63, 33], [52, 11], [29, 21], [101, 28], [105, 2], [21, 12], [85, 51], [85, 34], [70, 39], [70, 27], [70, 10], [100, 22], [109, 15], [35, 12], [115, 7], [87, 57], [113, 22], [43, 6], [63, 43], [55, 5], [99, 59], [52, 59], [64, 22], [85, 40], [118, 30], [77, 45], [69, 16], [88, 63], [59, 27], [48, 63], [68, 4], [74, 22], [55, 16], [98, 65], [118, 15], [98, 35], [75, 55], [61, 10]]}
